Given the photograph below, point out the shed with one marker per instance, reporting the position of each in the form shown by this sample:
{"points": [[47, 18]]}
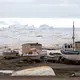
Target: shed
{"points": [[31, 46], [77, 45]]}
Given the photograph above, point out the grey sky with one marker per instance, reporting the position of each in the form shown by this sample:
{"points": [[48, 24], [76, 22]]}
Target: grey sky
{"points": [[40, 8]]}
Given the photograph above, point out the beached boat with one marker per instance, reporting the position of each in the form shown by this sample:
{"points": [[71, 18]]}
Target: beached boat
{"points": [[7, 54], [71, 51]]}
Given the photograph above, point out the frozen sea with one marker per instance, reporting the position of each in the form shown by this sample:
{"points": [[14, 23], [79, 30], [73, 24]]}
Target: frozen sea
{"points": [[47, 37]]}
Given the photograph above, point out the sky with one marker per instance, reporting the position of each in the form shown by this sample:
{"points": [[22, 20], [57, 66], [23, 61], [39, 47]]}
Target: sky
{"points": [[40, 8], [59, 13], [55, 22]]}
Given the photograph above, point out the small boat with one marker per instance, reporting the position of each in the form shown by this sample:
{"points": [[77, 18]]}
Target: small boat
{"points": [[9, 54], [70, 54], [71, 51], [35, 71]]}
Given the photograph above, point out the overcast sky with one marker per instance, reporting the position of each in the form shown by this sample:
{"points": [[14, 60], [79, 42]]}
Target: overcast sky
{"points": [[55, 22], [40, 8], [58, 13]]}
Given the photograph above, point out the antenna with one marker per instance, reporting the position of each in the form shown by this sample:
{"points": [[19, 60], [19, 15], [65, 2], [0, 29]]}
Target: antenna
{"points": [[73, 37]]}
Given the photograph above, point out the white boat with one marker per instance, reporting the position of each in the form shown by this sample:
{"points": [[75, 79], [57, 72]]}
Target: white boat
{"points": [[70, 54], [35, 71], [71, 51]]}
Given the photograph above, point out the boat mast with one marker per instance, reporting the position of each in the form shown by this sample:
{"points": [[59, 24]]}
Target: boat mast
{"points": [[73, 37]]}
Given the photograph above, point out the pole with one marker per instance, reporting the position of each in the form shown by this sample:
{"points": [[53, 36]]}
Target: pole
{"points": [[73, 37]]}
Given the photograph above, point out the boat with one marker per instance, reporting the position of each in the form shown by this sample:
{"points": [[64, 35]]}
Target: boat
{"points": [[71, 51], [10, 54]]}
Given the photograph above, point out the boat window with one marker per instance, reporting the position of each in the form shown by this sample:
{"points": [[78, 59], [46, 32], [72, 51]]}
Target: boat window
{"points": [[51, 53], [65, 46], [68, 46]]}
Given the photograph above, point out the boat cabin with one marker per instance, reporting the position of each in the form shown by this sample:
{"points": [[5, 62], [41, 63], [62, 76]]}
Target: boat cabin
{"points": [[70, 46], [67, 46]]}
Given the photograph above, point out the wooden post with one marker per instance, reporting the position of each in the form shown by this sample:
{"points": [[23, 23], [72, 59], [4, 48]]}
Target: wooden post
{"points": [[73, 37]]}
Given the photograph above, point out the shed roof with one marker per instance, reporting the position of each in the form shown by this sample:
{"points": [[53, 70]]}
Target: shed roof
{"points": [[31, 44], [77, 42]]}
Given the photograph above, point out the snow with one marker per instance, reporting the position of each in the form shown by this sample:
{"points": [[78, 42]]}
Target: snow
{"points": [[19, 34], [6, 71]]}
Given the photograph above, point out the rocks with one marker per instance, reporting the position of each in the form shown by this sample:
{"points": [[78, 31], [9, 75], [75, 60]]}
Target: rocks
{"points": [[75, 74]]}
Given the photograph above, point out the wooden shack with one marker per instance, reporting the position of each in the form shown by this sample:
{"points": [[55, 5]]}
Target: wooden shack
{"points": [[29, 46], [77, 45]]}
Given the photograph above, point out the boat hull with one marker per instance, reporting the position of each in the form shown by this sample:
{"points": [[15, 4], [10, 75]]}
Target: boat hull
{"points": [[71, 55]]}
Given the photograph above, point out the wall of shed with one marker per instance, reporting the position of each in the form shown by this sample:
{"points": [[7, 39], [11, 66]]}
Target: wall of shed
{"points": [[77, 46], [28, 47]]}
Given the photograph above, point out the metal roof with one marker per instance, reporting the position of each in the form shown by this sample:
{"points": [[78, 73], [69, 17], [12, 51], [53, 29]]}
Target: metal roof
{"points": [[77, 42], [31, 44]]}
